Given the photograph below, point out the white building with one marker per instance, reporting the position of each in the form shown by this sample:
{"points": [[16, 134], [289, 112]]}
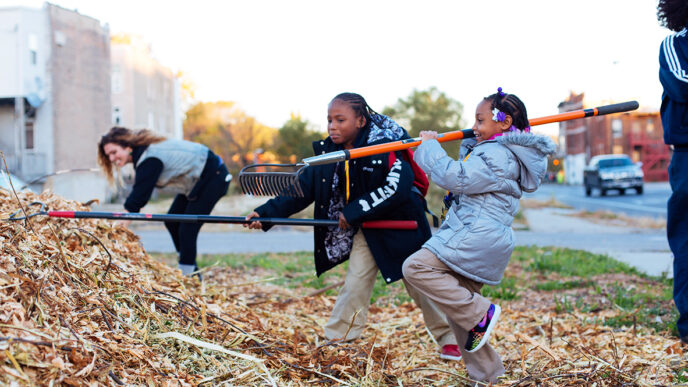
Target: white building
{"points": [[145, 94], [54, 95]]}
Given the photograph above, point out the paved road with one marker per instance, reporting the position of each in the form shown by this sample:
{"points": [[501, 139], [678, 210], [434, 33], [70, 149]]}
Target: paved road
{"points": [[652, 203]]}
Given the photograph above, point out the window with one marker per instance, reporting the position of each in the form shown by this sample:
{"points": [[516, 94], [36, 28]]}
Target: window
{"points": [[620, 162], [617, 128], [33, 49], [28, 132], [650, 125], [116, 79], [116, 116]]}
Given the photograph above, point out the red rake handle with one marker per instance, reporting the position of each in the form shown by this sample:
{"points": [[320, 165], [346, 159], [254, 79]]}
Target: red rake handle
{"points": [[391, 224], [183, 218]]}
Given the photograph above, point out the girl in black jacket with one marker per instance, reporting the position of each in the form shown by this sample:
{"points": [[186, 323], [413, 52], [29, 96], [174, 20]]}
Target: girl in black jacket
{"points": [[354, 191]]}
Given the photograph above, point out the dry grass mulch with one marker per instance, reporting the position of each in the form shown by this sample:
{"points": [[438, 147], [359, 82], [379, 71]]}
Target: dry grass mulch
{"points": [[82, 303]]}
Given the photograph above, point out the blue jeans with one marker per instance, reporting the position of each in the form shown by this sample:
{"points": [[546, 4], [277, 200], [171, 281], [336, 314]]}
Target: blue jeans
{"points": [[677, 233]]}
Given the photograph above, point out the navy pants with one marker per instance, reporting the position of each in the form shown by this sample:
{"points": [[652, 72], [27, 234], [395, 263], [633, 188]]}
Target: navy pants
{"points": [[184, 235], [677, 233]]}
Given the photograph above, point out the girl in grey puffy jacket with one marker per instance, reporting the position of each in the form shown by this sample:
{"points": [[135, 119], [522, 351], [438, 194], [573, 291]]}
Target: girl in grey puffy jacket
{"points": [[475, 242]]}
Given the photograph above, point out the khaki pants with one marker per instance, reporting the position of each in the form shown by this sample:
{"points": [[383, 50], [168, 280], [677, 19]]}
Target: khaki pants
{"points": [[459, 298], [354, 297]]}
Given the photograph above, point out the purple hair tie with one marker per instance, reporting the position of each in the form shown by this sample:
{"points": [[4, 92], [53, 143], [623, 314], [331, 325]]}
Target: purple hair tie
{"points": [[513, 128], [501, 93]]}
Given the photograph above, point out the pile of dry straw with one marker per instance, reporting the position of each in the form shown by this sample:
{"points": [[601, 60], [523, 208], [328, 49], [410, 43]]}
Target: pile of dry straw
{"points": [[82, 303]]}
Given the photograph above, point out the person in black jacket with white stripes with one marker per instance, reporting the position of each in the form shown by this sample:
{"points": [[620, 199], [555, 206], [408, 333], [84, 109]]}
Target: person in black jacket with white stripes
{"points": [[355, 191], [673, 73]]}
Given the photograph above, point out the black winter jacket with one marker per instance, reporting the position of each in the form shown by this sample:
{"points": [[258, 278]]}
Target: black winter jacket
{"points": [[673, 73], [371, 183]]}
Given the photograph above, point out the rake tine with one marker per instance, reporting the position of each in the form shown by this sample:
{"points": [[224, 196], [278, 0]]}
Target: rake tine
{"points": [[286, 183], [271, 182], [242, 184], [274, 184], [284, 186], [259, 185], [254, 185], [280, 187], [247, 185], [245, 182], [297, 185], [294, 186]]}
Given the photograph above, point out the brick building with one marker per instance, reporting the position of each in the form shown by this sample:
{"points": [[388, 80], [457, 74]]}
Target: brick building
{"points": [[54, 94], [637, 134]]}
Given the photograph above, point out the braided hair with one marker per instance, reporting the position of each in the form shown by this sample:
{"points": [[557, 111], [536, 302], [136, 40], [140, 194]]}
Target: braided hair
{"points": [[673, 14], [512, 106], [359, 105]]}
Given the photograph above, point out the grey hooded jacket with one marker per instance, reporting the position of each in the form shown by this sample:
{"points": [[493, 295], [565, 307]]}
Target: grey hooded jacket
{"points": [[476, 239]]}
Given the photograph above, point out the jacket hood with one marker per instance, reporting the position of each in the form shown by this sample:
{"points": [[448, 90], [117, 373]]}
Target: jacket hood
{"points": [[531, 150]]}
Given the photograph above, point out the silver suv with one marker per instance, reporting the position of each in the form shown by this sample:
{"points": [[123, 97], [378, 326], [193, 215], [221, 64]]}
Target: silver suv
{"points": [[618, 172]]}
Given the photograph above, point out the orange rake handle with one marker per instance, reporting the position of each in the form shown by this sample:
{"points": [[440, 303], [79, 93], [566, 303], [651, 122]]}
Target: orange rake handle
{"points": [[408, 143], [348, 154]]}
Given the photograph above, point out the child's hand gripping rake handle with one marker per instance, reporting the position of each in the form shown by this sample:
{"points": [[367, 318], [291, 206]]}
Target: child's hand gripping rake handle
{"points": [[184, 218], [286, 183]]}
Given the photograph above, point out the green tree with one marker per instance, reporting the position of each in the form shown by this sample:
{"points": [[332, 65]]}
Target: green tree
{"points": [[295, 139], [228, 131], [427, 110]]}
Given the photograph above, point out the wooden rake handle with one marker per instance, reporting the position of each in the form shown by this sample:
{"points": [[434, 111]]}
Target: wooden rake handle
{"points": [[337, 156]]}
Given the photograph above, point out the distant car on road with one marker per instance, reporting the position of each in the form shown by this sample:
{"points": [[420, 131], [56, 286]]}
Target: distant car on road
{"points": [[618, 172]]}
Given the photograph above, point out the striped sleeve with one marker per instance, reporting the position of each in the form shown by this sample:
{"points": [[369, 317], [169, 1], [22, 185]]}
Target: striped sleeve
{"points": [[675, 63]]}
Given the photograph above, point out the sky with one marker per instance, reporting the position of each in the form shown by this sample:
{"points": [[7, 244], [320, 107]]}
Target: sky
{"points": [[275, 57]]}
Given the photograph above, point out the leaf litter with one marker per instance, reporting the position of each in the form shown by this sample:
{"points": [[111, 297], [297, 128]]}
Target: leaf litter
{"points": [[81, 303]]}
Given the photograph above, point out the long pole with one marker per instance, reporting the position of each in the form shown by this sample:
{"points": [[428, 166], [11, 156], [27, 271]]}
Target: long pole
{"points": [[184, 218], [342, 155]]}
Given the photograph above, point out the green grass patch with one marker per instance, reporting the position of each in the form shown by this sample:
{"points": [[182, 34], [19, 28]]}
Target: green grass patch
{"points": [[575, 263], [563, 285], [506, 290], [681, 375]]}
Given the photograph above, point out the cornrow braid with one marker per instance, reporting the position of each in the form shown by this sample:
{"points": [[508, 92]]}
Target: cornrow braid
{"points": [[359, 105], [512, 106]]}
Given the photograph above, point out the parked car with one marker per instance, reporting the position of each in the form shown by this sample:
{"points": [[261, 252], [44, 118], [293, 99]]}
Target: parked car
{"points": [[618, 172]]}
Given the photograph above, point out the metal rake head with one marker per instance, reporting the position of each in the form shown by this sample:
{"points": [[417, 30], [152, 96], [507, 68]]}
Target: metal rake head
{"points": [[271, 179]]}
